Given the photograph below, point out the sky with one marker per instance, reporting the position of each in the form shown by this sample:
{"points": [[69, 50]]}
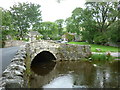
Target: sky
{"points": [[51, 9]]}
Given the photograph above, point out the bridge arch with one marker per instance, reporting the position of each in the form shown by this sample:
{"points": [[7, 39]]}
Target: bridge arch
{"points": [[43, 56]]}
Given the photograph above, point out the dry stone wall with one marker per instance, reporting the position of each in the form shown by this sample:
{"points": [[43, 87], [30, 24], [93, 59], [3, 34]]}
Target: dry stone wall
{"points": [[13, 43], [73, 52], [13, 76]]}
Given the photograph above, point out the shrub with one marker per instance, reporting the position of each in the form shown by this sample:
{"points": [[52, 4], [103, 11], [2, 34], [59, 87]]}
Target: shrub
{"points": [[69, 36], [101, 57], [100, 39], [95, 57], [109, 57], [25, 39], [54, 37], [113, 33], [39, 37]]}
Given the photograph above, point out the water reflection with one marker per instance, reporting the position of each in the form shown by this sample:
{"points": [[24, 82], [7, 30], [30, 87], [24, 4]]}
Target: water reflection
{"points": [[43, 68], [80, 74], [65, 81]]}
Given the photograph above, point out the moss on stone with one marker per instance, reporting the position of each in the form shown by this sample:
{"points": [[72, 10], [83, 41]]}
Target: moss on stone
{"points": [[28, 70]]}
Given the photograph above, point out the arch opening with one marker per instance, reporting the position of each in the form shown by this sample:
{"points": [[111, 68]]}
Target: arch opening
{"points": [[43, 63], [43, 56]]}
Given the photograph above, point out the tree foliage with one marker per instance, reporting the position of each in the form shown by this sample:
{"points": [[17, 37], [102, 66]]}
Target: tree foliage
{"points": [[104, 13], [60, 23], [25, 16], [97, 23], [49, 30], [94, 22], [69, 36], [6, 25]]}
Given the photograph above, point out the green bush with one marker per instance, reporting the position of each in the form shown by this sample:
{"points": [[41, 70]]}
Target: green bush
{"points": [[39, 37], [101, 39], [113, 33], [69, 36], [55, 37], [109, 57], [25, 39], [101, 57], [95, 57]]}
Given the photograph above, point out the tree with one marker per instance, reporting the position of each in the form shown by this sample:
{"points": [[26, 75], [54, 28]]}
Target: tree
{"points": [[88, 25], [82, 23], [69, 25], [25, 16], [77, 19], [60, 23], [104, 13], [95, 20], [114, 33], [49, 30], [73, 22], [6, 25]]}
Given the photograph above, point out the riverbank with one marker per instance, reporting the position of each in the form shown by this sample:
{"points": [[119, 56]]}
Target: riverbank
{"points": [[97, 48], [114, 54]]}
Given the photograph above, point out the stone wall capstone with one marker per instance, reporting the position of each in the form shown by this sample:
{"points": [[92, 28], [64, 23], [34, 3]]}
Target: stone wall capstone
{"points": [[13, 43], [13, 76]]}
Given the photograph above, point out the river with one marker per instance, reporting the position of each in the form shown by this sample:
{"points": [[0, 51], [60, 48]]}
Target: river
{"points": [[75, 74]]}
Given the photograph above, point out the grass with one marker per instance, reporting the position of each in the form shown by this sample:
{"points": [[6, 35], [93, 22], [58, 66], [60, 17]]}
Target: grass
{"points": [[94, 46]]}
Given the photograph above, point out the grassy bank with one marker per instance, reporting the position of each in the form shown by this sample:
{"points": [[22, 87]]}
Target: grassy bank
{"points": [[94, 46]]}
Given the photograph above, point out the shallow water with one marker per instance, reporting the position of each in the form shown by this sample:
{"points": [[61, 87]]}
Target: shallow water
{"points": [[75, 74]]}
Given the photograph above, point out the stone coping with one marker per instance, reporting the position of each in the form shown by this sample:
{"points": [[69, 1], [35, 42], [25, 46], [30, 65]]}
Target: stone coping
{"points": [[13, 76]]}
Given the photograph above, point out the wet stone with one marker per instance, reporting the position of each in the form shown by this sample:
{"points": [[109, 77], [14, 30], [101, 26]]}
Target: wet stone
{"points": [[17, 59], [13, 84], [18, 63], [12, 74], [21, 55], [21, 52]]}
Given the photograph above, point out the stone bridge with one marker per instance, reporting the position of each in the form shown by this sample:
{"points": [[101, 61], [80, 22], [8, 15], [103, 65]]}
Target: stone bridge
{"points": [[35, 53], [51, 50]]}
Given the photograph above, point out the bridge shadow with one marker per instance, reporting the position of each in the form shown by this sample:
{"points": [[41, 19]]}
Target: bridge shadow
{"points": [[43, 63]]}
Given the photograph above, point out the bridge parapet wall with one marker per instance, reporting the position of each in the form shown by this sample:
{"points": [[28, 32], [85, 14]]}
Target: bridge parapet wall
{"points": [[13, 76], [43, 45], [73, 52], [60, 51]]}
